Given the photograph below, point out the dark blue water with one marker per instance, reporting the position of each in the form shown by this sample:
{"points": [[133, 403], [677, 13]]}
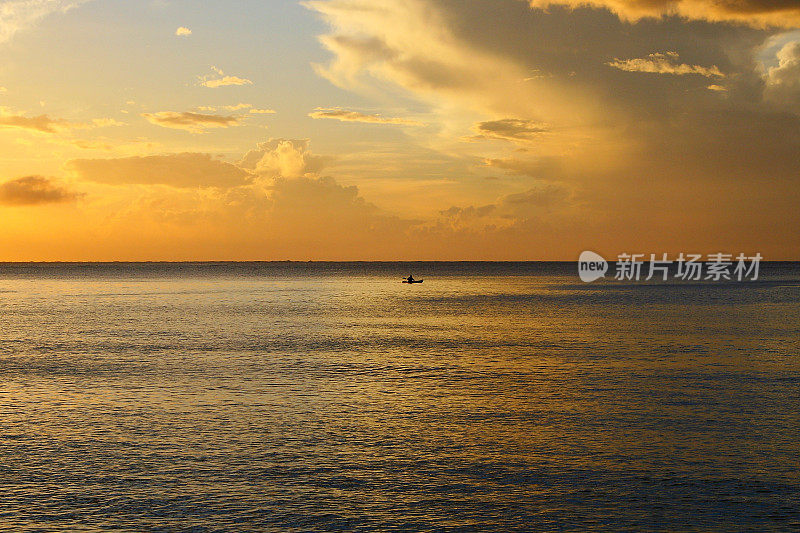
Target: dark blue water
{"points": [[329, 396]]}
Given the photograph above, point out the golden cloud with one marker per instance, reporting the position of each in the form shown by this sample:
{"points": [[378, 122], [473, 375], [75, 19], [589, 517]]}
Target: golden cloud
{"points": [[666, 63], [41, 123], [45, 124], [783, 80], [193, 122], [185, 170], [226, 81], [510, 129], [344, 115]]}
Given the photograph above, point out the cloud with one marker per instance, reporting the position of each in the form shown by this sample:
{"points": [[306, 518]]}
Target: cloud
{"points": [[185, 170], [288, 158], [45, 124], [193, 122], [219, 79], [41, 123], [344, 115], [411, 45], [226, 81], [620, 142], [783, 80], [183, 31], [286, 211], [666, 63], [759, 13], [34, 190], [510, 129], [514, 210], [544, 168], [18, 15], [106, 122], [236, 107]]}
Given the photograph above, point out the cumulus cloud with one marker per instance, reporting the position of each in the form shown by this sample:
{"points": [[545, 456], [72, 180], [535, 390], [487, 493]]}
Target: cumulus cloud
{"points": [[760, 13], [219, 79], [16, 15], [622, 141], [285, 209], [34, 190], [183, 31], [783, 80], [666, 63], [288, 158], [193, 122], [344, 115], [510, 129], [186, 170]]}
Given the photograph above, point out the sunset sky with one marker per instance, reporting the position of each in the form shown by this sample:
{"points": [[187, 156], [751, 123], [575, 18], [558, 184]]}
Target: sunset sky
{"points": [[397, 129]]}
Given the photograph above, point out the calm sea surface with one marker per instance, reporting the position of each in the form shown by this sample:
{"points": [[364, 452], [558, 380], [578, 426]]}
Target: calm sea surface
{"points": [[314, 396]]}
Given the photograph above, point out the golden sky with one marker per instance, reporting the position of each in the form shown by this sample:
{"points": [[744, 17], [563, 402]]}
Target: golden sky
{"points": [[389, 129]]}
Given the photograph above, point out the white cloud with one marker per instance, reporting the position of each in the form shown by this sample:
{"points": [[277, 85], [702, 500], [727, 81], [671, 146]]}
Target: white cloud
{"points": [[183, 31]]}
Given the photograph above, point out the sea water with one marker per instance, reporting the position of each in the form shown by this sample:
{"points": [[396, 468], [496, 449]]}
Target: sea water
{"points": [[330, 396]]}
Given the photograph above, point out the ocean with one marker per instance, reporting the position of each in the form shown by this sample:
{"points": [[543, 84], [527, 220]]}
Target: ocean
{"points": [[330, 396]]}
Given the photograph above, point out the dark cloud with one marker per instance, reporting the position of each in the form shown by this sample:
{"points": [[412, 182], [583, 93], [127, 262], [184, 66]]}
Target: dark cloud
{"points": [[782, 13], [34, 190]]}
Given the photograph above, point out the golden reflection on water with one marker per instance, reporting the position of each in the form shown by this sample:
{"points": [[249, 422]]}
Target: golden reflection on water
{"points": [[524, 402]]}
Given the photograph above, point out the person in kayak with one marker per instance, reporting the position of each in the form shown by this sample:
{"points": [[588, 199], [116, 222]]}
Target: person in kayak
{"points": [[410, 279]]}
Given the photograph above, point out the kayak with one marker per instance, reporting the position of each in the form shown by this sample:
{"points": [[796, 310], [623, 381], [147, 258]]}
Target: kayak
{"points": [[415, 281]]}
